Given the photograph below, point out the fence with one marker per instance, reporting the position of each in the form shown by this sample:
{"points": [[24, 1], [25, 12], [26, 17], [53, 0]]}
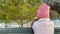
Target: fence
{"points": [[21, 31]]}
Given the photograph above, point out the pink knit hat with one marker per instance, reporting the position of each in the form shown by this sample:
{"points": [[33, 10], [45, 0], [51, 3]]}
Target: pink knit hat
{"points": [[43, 11]]}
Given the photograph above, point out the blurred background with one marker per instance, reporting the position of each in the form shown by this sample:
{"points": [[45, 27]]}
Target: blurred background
{"points": [[19, 13]]}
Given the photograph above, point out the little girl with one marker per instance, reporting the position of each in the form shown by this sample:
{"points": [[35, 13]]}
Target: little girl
{"points": [[42, 24]]}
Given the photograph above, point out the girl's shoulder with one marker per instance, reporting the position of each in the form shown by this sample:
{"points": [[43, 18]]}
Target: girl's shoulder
{"points": [[45, 20]]}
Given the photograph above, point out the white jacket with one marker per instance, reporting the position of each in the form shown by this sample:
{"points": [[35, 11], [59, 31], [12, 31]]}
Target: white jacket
{"points": [[43, 26]]}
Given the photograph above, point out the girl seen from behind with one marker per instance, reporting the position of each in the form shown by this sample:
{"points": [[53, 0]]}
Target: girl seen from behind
{"points": [[42, 24]]}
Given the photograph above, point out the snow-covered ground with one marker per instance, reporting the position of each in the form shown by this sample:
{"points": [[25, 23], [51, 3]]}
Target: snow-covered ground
{"points": [[15, 24], [56, 23]]}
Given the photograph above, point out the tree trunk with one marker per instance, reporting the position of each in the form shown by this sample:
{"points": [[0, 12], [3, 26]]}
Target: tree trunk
{"points": [[21, 23], [5, 24]]}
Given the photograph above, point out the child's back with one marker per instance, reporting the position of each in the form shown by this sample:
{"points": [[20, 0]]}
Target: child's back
{"points": [[43, 25]]}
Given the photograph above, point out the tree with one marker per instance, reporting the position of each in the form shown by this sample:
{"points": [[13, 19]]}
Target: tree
{"points": [[54, 14], [18, 10]]}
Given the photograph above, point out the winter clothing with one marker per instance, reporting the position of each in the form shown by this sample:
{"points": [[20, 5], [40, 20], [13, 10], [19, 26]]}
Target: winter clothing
{"points": [[43, 11], [43, 25]]}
